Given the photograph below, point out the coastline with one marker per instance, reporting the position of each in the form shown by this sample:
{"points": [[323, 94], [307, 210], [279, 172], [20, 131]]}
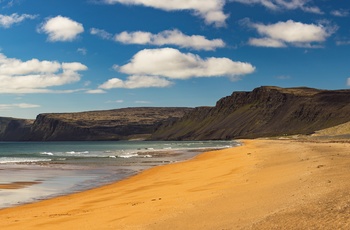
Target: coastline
{"points": [[31, 172], [263, 184]]}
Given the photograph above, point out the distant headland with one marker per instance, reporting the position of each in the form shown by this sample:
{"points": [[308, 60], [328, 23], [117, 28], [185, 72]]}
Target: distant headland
{"points": [[266, 111]]}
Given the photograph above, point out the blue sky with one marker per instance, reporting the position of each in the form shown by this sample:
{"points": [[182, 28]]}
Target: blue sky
{"points": [[81, 55]]}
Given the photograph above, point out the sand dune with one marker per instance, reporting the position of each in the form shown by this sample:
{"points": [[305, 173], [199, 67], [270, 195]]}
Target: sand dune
{"points": [[264, 184]]}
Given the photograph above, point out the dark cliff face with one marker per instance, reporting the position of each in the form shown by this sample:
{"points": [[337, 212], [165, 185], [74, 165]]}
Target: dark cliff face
{"points": [[118, 124], [266, 111], [12, 129]]}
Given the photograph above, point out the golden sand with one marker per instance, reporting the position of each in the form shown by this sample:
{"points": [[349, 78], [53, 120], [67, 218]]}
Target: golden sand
{"points": [[264, 184]]}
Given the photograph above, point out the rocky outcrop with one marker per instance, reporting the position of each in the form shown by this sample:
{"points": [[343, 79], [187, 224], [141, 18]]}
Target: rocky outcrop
{"points": [[13, 129], [118, 124], [266, 111]]}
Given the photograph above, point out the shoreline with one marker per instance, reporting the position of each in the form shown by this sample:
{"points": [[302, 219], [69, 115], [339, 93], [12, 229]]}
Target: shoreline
{"points": [[262, 184], [68, 169]]}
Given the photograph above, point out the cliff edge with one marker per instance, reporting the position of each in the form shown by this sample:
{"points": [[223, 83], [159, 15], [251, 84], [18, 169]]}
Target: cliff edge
{"points": [[117, 124], [266, 111]]}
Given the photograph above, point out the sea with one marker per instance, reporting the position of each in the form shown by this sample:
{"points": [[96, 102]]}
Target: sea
{"points": [[34, 171]]}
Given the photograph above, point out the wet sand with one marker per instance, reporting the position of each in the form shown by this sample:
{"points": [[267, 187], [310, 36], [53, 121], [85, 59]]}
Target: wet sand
{"points": [[18, 184], [264, 184]]}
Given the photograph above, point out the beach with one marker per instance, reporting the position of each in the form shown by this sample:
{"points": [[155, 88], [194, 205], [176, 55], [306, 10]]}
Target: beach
{"points": [[263, 184]]}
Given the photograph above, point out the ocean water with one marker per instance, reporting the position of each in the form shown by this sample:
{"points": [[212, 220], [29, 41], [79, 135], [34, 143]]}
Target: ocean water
{"points": [[32, 171]]}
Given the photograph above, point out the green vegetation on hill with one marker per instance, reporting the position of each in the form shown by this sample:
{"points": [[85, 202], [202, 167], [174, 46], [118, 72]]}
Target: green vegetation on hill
{"points": [[266, 111]]}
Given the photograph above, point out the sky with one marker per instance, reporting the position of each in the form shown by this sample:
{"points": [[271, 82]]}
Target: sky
{"points": [[82, 55]]}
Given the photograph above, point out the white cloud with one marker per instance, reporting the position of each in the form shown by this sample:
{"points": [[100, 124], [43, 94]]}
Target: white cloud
{"points": [[138, 37], [101, 33], [136, 81], [171, 63], [169, 37], [283, 5], [340, 13], [343, 42], [7, 21], [348, 81], [116, 101], [19, 105], [95, 91], [293, 33], [143, 102], [34, 76], [266, 42], [82, 51], [210, 10], [61, 29], [156, 67]]}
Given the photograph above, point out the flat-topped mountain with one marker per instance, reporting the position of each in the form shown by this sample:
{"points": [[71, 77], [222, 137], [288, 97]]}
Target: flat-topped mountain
{"points": [[265, 111], [14, 128], [118, 124]]}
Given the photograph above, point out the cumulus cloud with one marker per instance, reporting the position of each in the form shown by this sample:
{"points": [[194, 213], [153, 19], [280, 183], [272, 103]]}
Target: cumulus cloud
{"points": [[292, 33], [171, 63], [136, 81], [266, 42], [158, 67], [6, 21], [19, 105], [101, 33], [61, 29], [34, 76], [348, 81], [284, 5], [169, 37], [210, 10]]}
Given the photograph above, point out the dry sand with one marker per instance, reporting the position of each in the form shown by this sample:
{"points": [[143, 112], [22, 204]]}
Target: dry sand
{"points": [[265, 184]]}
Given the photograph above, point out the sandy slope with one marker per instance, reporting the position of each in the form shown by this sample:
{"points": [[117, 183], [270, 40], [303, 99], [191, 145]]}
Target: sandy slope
{"points": [[265, 184], [343, 129]]}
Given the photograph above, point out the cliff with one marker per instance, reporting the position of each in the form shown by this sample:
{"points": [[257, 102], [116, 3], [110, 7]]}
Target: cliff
{"points": [[118, 124], [266, 111], [14, 129]]}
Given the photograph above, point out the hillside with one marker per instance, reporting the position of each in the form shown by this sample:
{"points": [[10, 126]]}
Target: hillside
{"points": [[342, 130], [118, 124], [14, 128], [266, 111]]}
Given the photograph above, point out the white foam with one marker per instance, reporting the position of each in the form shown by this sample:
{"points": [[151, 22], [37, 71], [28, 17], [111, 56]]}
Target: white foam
{"points": [[128, 155], [47, 153], [7, 160], [77, 153]]}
